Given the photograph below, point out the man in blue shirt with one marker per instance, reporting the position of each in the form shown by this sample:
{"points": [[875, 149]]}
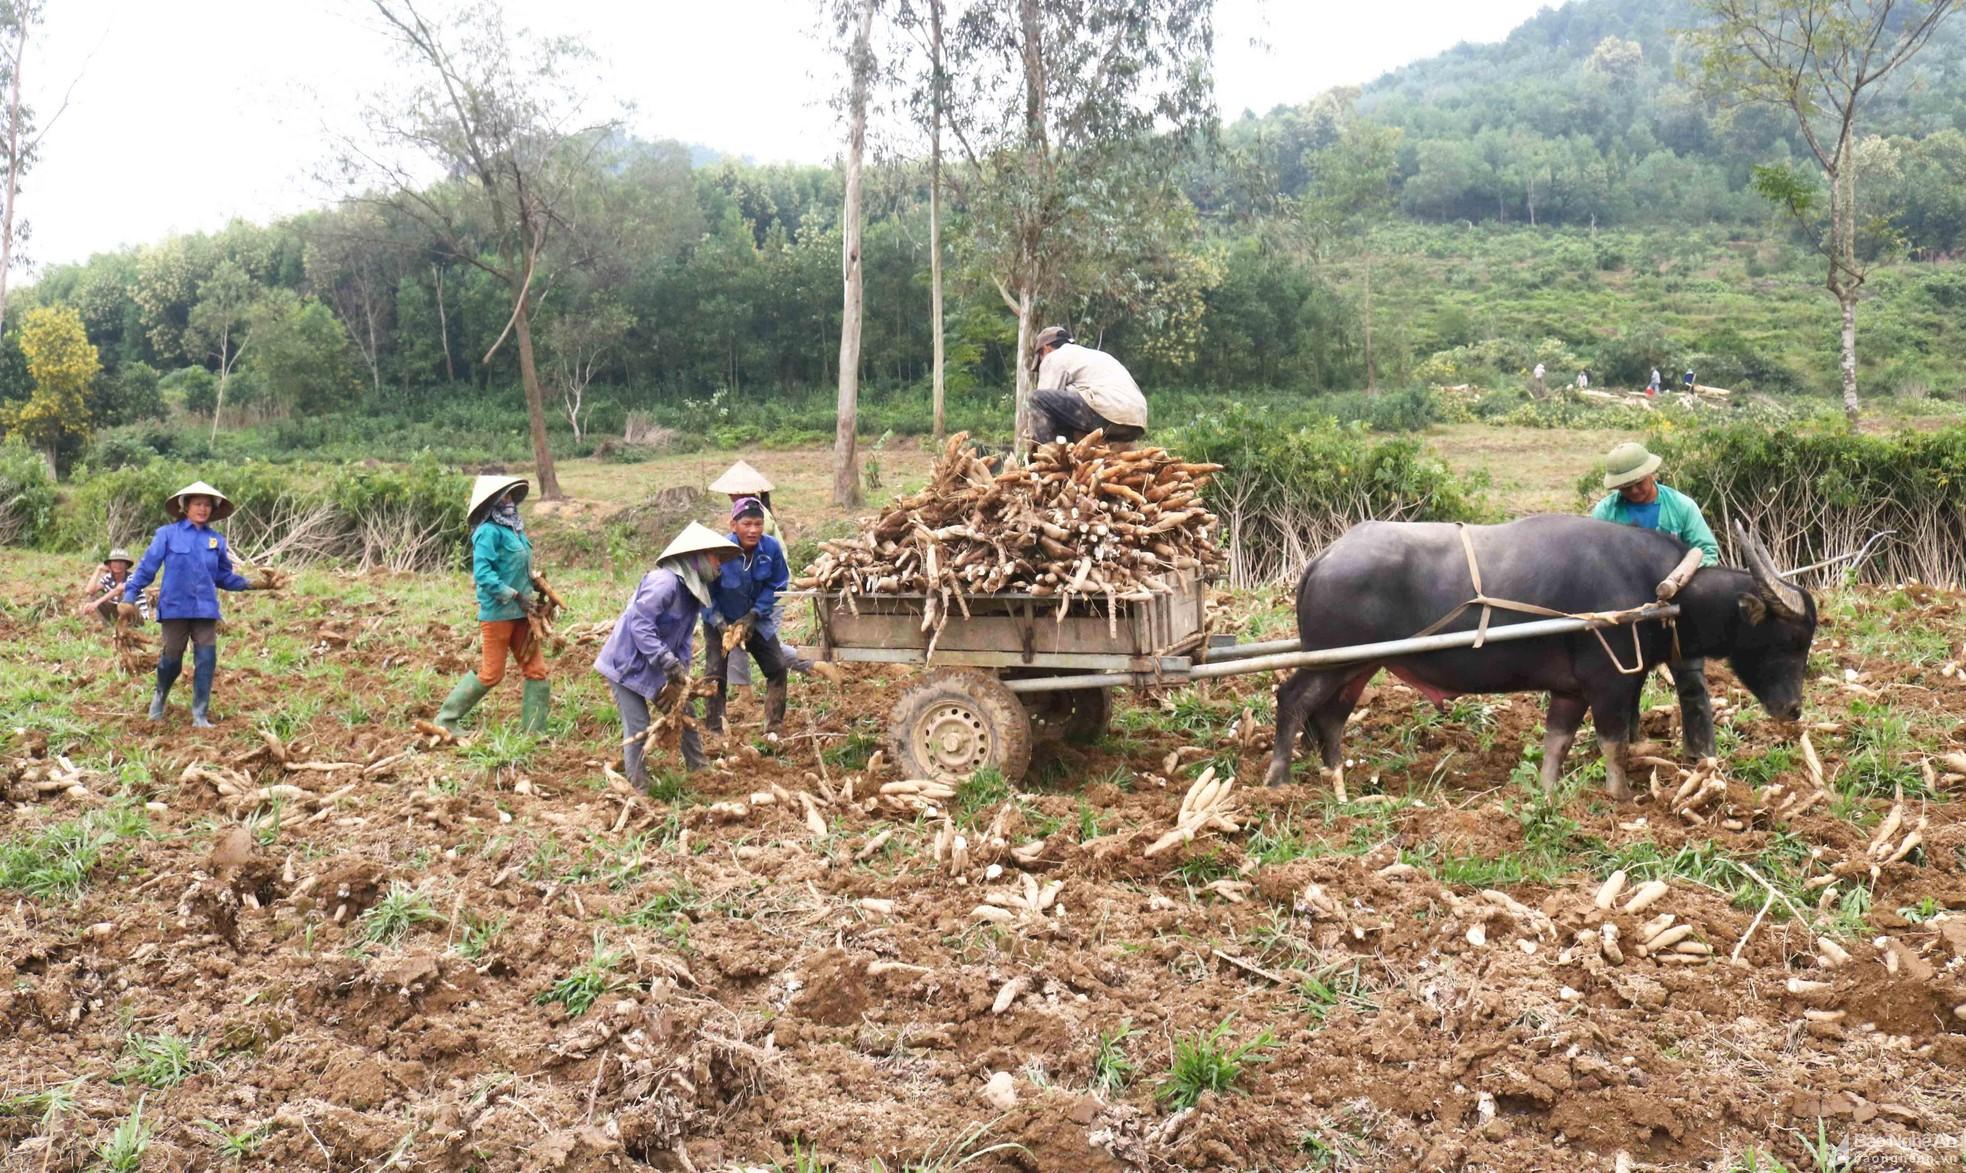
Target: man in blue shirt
{"points": [[744, 602], [1637, 498]]}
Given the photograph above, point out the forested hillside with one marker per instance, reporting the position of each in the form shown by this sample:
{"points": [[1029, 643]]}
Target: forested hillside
{"points": [[1563, 197]]}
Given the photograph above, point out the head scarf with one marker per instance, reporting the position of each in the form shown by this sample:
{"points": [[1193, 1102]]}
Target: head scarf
{"points": [[505, 512], [746, 507], [697, 570]]}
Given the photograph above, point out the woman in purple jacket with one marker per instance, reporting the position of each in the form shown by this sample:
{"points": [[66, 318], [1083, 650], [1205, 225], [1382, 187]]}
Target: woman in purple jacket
{"points": [[649, 649]]}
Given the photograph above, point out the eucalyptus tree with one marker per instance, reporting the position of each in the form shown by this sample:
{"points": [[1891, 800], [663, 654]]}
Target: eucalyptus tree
{"points": [[500, 116], [1070, 116], [1822, 61]]}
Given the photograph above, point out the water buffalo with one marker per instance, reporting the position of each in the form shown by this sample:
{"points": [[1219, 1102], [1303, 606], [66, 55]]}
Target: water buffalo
{"points": [[1390, 580]]}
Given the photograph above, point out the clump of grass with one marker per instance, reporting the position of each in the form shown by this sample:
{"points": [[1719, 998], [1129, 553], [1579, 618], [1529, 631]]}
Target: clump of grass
{"points": [[670, 913], [236, 1146], [501, 747], [958, 1151], [977, 795], [1758, 770], [1879, 764], [1112, 1071], [672, 787], [159, 1060], [123, 1152], [1203, 869], [1088, 821], [476, 935], [852, 751], [1331, 986], [1206, 1062], [57, 861], [47, 1105], [390, 919], [665, 906], [1280, 839], [583, 987]]}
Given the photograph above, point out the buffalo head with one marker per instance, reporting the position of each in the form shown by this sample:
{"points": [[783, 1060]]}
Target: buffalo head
{"points": [[1778, 621]]}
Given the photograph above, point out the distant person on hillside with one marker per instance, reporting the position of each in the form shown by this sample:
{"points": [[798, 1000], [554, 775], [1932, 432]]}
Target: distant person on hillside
{"points": [[1686, 381], [1652, 388], [1536, 385], [1080, 391], [1638, 499], [1583, 380]]}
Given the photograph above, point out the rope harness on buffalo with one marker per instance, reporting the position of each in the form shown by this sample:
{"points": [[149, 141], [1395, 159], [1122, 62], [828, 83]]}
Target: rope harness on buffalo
{"points": [[1490, 605]]}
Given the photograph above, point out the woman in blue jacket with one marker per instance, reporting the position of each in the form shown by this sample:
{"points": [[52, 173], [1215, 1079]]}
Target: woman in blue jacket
{"points": [[649, 649], [196, 565]]}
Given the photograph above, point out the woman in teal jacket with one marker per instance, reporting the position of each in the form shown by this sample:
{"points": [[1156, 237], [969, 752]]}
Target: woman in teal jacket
{"points": [[196, 565], [501, 569]]}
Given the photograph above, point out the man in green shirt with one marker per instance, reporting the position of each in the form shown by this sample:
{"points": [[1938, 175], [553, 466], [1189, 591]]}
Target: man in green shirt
{"points": [[1637, 498]]}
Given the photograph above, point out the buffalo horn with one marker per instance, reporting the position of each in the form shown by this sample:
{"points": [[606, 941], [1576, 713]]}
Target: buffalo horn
{"points": [[1783, 599]]}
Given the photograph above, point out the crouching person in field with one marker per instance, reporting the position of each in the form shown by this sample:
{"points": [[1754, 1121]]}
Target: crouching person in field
{"points": [[648, 653], [104, 586]]}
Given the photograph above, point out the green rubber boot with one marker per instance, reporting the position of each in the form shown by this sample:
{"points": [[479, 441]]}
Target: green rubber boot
{"points": [[461, 701], [533, 706]]}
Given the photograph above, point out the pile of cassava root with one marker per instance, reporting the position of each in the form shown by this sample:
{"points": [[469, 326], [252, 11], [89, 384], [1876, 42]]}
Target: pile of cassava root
{"points": [[1082, 520]]}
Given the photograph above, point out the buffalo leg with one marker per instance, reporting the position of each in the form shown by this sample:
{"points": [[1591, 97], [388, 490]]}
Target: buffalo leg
{"points": [[1329, 718], [1560, 724], [1303, 692], [1689, 679], [1609, 710]]}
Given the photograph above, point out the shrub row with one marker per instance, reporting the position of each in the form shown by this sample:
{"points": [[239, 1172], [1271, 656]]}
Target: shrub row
{"points": [[1287, 489], [1815, 491], [402, 517]]}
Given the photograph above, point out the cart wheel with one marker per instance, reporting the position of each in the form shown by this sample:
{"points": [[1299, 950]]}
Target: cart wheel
{"points": [[949, 725], [1078, 715]]}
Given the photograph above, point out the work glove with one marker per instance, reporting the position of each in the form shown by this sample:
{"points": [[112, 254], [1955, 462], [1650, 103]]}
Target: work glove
{"points": [[506, 594]]}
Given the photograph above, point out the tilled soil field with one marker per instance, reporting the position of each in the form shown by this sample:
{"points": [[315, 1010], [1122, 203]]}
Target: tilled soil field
{"points": [[306, 941]]}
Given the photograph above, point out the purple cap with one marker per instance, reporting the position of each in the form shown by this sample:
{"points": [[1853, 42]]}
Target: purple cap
{"points": [[746, 507]]}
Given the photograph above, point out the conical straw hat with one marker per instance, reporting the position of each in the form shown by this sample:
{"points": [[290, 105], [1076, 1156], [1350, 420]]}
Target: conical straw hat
{"points": [[697, 537], [741, 479], [487, 489], [174, 504]]}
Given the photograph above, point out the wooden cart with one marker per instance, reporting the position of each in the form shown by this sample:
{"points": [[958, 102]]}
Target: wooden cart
{"points": [[1010, 670]]}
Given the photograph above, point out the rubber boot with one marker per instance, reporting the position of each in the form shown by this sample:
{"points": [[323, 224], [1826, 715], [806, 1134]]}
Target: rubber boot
{"points": [[533, 706], [167, 674], [464, 696], [774, 704], [692, 747], [713, 711], [204, 664]]}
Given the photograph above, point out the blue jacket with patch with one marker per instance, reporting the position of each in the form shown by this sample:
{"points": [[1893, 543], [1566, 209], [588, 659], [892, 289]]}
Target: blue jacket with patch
{"points": [[750, 585], [196, 566]]}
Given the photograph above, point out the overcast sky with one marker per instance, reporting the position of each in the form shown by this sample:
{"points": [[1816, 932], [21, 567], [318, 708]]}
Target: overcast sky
{"points": [[183, 115]]}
